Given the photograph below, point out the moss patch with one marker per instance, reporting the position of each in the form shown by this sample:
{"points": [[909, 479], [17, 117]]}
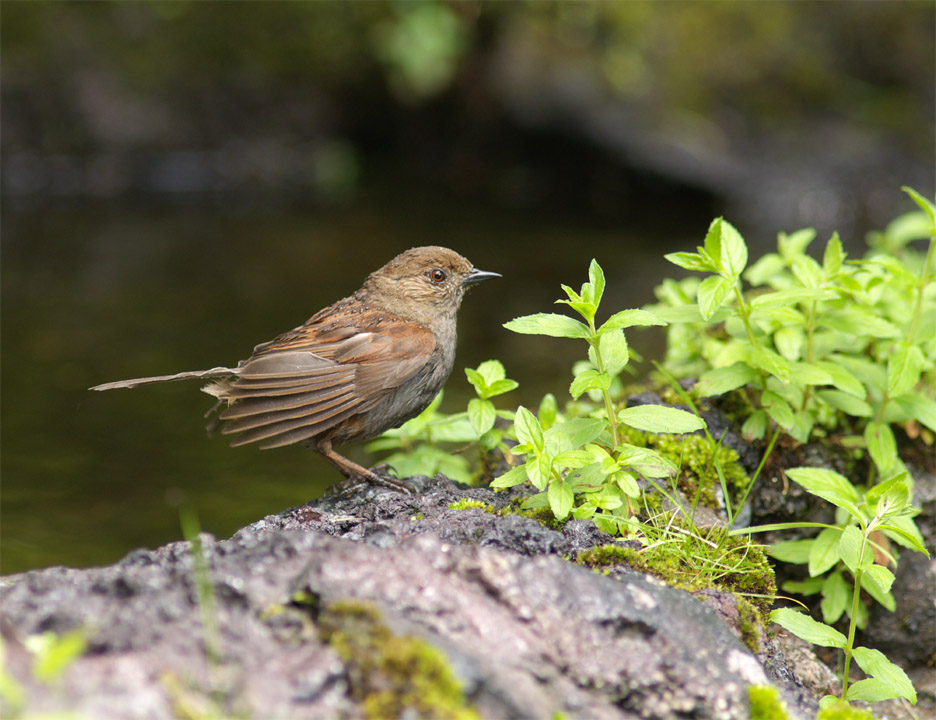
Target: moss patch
{"points": [[392, 675], [765, 703], [841, 710]]}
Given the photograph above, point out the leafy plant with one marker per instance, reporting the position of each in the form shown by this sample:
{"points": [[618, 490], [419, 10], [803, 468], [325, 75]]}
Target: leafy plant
{"points": [[885, 509], [581, 465]]}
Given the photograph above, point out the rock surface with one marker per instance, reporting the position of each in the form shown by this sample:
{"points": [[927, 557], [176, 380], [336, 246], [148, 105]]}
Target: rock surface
{"points": [[527, 633]]}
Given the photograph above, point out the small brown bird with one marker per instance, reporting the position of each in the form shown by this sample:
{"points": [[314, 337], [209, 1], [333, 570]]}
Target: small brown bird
{"points": [[366, 364]]}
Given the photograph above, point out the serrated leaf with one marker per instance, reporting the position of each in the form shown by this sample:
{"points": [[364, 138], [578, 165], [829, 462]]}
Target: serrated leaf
{"points": [[627, 482], [561, 499], [573, 459], [647, 462], [548, 411], [876, 664], [492, 371], [824, 553], [734, 253], [808, 629], [690, 261], [871, 690], [528, 429], [481, 414], [792, 551], [587, 478], [828, 485], [803, 422], [589, 380], [514, 476], [903, 531], [809, 586], [884, 598], [722, 380], [630, 318], [847, 403], [903, 368], [919, 407], [850, 546], [854, 320], [881, 445], [499, 387], [764, 269], [539, 470], [660, 419], [779, 410], [795, 243], [712, 293], [835, 596], [550, 324], [790, 296]]}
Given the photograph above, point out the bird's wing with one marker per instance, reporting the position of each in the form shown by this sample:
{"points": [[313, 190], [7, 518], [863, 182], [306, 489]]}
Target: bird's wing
{"points": [[317, 375]]}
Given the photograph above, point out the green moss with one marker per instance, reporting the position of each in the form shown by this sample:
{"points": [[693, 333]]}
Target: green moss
{"points": [[766, 703], [693, 455], [602, 556], [841, 710], [751, 623], [468, 504], [392, 675]]}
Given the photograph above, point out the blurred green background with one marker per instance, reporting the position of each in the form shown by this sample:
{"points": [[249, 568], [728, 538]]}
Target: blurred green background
{"points": [[182, 180]]}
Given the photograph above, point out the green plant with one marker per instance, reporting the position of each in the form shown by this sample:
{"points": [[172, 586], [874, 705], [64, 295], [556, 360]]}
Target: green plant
{"points": [[52, 655], [580, 465], [884, 508], [416, 442]]}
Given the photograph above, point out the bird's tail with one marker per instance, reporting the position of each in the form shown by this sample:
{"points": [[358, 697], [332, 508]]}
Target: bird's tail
{"points": [[217, 372]]}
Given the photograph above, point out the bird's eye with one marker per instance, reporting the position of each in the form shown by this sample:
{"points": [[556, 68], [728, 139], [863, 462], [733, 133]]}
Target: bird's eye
{"points": [[438, 275]]}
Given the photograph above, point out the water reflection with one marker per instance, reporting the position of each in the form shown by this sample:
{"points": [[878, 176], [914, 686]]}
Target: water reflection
{"points": [[91, 295]]}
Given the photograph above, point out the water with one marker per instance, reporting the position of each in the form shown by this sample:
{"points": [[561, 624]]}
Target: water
{"points": [[93, 294]]}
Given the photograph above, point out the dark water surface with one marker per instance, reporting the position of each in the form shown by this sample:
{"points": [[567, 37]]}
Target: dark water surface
{"points": [[98, 294]]}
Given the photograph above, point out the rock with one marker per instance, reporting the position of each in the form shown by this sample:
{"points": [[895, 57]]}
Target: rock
{"points": [[525, 632]]}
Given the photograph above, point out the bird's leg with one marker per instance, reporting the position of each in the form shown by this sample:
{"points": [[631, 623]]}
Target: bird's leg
{"points": [[352, 470]]}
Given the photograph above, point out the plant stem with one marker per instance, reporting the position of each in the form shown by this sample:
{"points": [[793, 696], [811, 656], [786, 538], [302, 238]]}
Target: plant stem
{"points": [[609, 406], [853, 622], [745, 313]]}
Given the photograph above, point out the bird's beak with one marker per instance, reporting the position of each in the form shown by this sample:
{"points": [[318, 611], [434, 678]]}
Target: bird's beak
{"points": [[476, 276]]}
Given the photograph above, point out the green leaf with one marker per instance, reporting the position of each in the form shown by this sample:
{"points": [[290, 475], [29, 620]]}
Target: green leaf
{"points": [[881, 445], [782, 298], [499, 387], [690, 261], [925, 204], [580, 431], [835, 596], [903, 368], [647, 462], [561, 499], [843, 379], [794, 244], [903, 531], [586, 478], [548, 411], [789, 341], [54, 653], [539, 470], [850, 547], [824, 553], [855, 320], [712, 293], [771, 362], [477, 380], [574, 459], [876, 664], [880, 576], [779, 410], [889, 497], [482, 415], [589, 380], [725, 379], [528, 429], [597, 280], [764, 269], [549, 324], [828, 485], [809, 586], [883, 598], [807, 271], [847, 403], [919, 407], [833, 257], [630, 318], [627, 482], [870, 690], [614, 352], [808, 629], [803, 373], [660, 419], [792, 551], [755, 427], [726, 248]]}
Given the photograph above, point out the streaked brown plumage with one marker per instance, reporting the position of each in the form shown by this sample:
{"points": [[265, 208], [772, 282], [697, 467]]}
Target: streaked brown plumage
{"points": [[366, 364]]}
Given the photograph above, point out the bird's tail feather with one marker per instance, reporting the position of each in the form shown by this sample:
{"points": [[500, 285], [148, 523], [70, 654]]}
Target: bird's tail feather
{"points": [[190, 375]]}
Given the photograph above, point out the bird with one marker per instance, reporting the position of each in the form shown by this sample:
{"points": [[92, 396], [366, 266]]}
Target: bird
{"points": [[352, 371]]}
